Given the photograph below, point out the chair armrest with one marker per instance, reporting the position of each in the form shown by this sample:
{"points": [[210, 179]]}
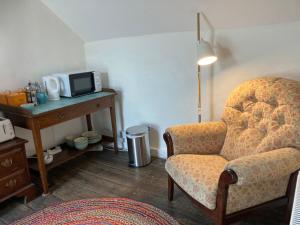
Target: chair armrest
{"points": [[200, 138], [265, 166]]}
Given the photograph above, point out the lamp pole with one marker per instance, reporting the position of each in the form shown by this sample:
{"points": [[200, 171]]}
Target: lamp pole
{"points": [[199, 111]]}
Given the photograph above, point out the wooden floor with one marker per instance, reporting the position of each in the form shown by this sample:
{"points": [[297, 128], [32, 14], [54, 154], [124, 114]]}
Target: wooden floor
{"points": [[104, 174]]}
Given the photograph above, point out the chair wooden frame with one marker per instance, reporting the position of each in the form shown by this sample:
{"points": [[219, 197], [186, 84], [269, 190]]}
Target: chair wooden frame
{"points": [[228, 177]]}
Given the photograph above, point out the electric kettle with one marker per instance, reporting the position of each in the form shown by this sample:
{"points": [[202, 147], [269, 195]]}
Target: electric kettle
{"points": [[52, 86]]}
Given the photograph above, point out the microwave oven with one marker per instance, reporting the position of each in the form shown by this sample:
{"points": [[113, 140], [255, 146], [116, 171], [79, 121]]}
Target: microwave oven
{"points": [[76, 84]]}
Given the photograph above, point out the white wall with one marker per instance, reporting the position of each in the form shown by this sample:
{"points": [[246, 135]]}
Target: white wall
{"points": [[33, 43], [248, 53], [156, 75]]}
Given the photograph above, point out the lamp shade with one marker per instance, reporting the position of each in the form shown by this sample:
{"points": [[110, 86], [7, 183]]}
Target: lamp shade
{"points": [[206, 54]]}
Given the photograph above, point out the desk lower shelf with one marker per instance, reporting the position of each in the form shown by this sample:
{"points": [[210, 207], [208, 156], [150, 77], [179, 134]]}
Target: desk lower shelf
{"points": [[66, 155]]}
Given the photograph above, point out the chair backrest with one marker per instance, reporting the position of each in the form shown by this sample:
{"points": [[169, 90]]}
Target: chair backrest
{"points": [[262, 115]]}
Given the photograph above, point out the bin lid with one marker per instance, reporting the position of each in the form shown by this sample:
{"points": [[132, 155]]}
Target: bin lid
{"points": [[137, 130]]}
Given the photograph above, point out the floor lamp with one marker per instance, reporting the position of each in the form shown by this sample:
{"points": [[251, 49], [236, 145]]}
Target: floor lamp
{"points": [[206, 56]]}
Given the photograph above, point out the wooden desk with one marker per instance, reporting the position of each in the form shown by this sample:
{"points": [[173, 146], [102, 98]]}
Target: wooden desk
{"points": [[55, 112]]}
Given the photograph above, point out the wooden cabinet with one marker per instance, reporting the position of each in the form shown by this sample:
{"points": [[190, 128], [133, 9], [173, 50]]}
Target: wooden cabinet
{"points": [[14, 173]]}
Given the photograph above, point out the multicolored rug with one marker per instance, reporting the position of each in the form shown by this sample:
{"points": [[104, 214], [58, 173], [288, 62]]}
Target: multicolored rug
{"points": [[108, 211]]}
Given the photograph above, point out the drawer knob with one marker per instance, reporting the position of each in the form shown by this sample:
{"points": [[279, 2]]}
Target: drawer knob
{"points": [[11, 183], [7, 163]]}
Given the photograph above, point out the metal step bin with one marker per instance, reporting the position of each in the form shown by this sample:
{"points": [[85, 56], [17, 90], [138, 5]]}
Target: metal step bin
{"points": [[138, 146]]}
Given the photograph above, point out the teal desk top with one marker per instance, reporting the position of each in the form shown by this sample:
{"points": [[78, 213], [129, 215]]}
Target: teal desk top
{"points": [[63, 102]]}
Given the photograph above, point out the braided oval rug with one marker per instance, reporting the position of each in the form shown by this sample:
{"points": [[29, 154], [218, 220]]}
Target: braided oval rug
{"points": [[108, 211]]}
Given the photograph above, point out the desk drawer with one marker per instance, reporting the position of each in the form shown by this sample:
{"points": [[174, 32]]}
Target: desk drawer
{"points": [[12, 183], [12, 161], [74, 111]]}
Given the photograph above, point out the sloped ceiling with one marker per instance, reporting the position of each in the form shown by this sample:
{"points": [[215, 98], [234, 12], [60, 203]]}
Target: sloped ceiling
{"points": [[103, 19]]}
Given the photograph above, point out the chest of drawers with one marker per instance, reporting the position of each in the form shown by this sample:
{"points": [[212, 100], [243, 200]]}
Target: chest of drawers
{"points": [[14, 173]]}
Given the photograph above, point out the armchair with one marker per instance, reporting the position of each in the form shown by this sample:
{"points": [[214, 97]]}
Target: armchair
{"points": [[246, 161]]}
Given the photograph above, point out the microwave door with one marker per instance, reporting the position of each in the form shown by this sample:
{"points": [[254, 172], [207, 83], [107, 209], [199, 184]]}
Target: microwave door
{"points": [[82, 83]]}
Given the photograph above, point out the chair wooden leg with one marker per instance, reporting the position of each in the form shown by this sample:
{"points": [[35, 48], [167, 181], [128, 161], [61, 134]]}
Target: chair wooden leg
{"points": [[220, 223], [170, 188], [291, 194]]}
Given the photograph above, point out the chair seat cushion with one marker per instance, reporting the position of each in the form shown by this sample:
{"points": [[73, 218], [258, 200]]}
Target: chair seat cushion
{"points": [[198, 175]]}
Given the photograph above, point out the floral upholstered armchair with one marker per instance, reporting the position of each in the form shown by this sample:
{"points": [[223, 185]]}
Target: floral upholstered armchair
{"points": [[247, 160]]}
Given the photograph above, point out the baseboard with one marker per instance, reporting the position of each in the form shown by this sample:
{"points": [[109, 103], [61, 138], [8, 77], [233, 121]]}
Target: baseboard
{"points": [[159, 153], [155, 152]]}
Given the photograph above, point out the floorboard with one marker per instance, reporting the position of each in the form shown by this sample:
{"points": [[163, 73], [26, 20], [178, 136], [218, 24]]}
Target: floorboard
{"points": [[105, 174]]}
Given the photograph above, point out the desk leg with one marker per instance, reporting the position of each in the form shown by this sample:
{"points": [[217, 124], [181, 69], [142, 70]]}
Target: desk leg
{"points": [[114, 127], [40, 156], [89, 122]]}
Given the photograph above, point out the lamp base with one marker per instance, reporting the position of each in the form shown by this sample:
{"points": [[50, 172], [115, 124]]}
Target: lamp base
{"points": [[199, 118], [199, 114]]}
